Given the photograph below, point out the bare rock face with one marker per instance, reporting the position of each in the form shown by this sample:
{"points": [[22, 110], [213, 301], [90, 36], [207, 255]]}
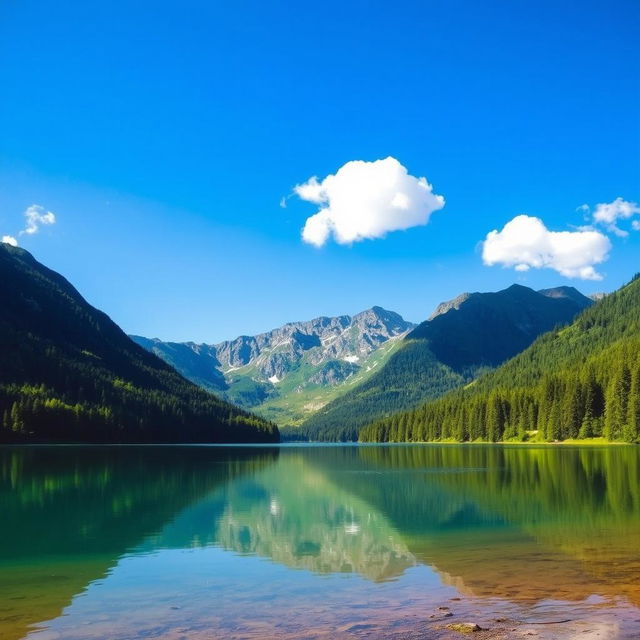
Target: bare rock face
{"points": [[346, 338], [331, 348], [455, 303], [333, 373]]}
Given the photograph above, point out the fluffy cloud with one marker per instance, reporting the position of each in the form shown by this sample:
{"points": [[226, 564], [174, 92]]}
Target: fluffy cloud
{"points": [[10, 240], [36, 216], [608, 214], [366, 200], [525, 243]]}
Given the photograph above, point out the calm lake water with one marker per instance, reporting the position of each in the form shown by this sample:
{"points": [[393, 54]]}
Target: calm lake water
{"points": [[195, 543]]}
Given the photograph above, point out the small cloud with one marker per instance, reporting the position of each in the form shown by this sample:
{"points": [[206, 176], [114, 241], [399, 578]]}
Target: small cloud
{"points": [[283, 203], [366, 200], [608, 214], [36, 216], [635, 225], [525, 243]]}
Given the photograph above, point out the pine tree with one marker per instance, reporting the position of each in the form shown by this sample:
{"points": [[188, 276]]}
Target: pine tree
{"points": [[17, 423], [632, 426]]}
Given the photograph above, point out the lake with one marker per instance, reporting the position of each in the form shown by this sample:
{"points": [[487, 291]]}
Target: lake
{"points": [[295, 541]]}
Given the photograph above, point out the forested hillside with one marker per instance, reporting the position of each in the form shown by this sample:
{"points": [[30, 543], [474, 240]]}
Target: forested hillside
{"points": [[69, 374], [577, 382], [463, 338]]}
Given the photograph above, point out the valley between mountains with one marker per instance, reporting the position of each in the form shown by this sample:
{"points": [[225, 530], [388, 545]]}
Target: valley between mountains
{"points": [[325, 378], [514, 364]]}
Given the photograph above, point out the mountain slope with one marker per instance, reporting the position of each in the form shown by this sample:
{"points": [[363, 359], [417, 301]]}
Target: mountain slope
{"points": [[68, 373], [576, 382], [196, 362], [463, 337], [286, 373]]}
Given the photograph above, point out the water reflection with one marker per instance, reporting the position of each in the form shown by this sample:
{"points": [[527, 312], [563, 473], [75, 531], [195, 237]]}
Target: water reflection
{"points": [[310, 522], [567, 518], [73, 511], [515, 525]]}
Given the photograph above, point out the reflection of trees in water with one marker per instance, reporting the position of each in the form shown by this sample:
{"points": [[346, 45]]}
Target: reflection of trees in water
{"points": [[522, 485], [571, 516], [75, 510], [522, 523]]}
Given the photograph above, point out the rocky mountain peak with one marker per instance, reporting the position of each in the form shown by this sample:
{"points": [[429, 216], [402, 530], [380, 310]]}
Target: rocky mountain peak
{"points": [[454, 303], [347, 338], [330, 348], [568, 293]]}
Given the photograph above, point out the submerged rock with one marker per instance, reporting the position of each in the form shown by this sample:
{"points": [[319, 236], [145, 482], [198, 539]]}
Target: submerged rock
{"points": [[464, 627]]}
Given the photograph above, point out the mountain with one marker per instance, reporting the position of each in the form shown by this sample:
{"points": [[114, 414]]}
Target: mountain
{"points": [[70, 374], [464, 337], [196, 362], [286, 373], [579, 381]]}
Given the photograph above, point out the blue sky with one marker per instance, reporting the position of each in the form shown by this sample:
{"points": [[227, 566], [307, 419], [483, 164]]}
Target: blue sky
{"points": [[164, 135]]}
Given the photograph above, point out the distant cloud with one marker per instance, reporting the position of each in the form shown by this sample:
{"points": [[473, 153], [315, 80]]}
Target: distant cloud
{"points": [[36, 216], [607, 214], [525, 243], [366, 200]]}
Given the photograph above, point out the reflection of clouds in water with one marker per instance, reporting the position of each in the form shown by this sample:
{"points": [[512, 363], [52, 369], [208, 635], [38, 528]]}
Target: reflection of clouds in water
{"points": [[274, 507], [352, 529]]}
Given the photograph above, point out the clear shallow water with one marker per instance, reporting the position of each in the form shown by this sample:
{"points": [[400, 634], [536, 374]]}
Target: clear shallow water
{"points": [[188, 543]]}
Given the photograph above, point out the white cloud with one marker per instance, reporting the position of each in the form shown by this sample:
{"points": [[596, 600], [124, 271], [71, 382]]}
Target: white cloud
{"points": [[366, 200], [636, 225], [36, 216], [525, 243], [608, 214]]}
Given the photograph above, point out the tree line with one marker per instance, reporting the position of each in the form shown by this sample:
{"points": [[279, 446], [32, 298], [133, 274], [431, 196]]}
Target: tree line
{"points": [[580, 381]]}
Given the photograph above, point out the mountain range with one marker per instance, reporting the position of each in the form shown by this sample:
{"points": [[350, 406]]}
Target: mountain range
{"points": [[68, 373], [463, 338], [513, 364], [325, 378], [289, 372]]}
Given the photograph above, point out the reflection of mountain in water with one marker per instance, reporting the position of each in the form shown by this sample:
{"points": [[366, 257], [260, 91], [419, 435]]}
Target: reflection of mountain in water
{"points": [[310, 523], [519, 523]]}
